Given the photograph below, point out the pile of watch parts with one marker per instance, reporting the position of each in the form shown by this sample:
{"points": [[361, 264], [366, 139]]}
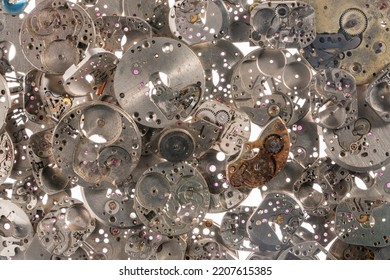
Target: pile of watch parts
{"points": [[150, 110]]}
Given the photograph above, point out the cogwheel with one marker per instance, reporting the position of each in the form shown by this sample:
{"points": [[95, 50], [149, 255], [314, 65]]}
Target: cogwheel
{"points": [[206, 114], [222, 117], [353, 22], [282, 10]]}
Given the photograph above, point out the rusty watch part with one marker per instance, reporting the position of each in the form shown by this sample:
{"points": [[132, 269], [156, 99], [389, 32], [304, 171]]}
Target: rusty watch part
{"points": [[262, 159]]}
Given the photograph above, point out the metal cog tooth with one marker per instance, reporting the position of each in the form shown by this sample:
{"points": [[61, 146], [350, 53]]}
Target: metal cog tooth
{"points": [[353, 22], [207, 114], [222, 117], [282, 10]]}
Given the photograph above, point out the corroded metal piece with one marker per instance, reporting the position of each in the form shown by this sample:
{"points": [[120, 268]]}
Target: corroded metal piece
{"points": [[262, 159]]}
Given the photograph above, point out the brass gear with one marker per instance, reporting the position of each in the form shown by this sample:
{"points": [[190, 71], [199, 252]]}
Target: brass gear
{"points": [[353, 22]]}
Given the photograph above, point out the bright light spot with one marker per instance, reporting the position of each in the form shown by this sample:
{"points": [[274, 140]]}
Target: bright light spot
{"points": [[317, 187], [360, 183], [255, 132], [215, 77], [89, 78], [221, 156], [118, 54], [97, 138]]}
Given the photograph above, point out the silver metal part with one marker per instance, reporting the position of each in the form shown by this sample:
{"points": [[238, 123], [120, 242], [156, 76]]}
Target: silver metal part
{"points": [[381, 179], [18, 128], [218, 58], [304, 251], [171, 199], [91, 73], [5, 101], [6, 156], [34, 104], [65, 227], [50, 48], [176, 145], [334, 99], [305, 141], [270, 106], [145, 244], [284, 181], [319, 229], [16, 231], [378, 95], [46, 173], [343, 251], [233, 229], [114, 207], [235, 125], [223, 196], [140, 8], [282, 24], [106, 243], [266, 72], [383, 254], [5, 66], [28, 196], [9, 33], [36, 250], [186, 140], [159, 21], [157, 95], [363, 221], [263, 255], [322, 187], [239, 17], [195, 21], [45, 98], [101, 8], [360, 146], [90, 148], [277, 213], [121, 33], [205, 243]]}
